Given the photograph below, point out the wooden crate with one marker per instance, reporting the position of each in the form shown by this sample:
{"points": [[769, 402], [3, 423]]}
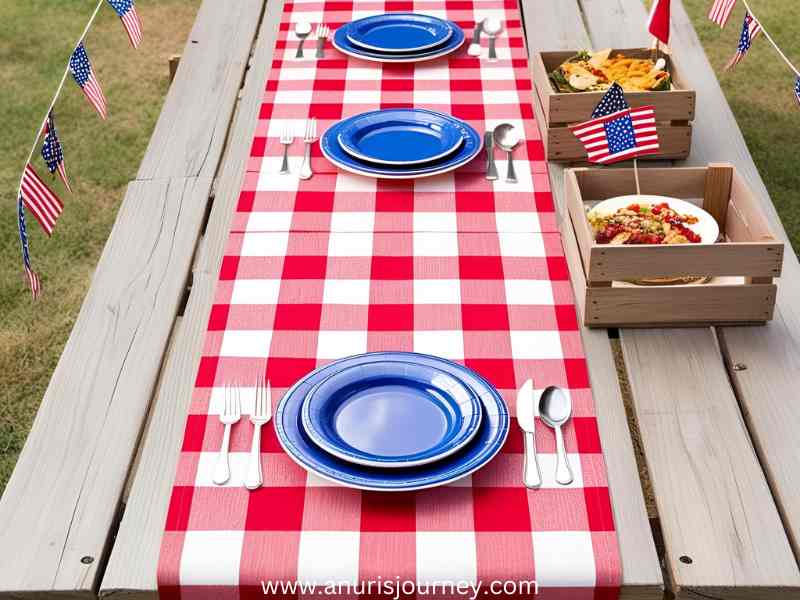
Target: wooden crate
{"points": [[742, 265], [674, 108]]}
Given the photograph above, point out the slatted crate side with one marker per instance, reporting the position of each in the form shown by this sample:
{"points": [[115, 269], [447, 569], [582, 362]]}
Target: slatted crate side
{"points": [[725, 259], [748, 251], [689, 305]]}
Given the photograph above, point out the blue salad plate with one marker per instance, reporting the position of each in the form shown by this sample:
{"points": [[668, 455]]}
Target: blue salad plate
{"points": [[404, 33], [342, 42], [401, 136], [391, 414], [483, 447], [416, 129]]}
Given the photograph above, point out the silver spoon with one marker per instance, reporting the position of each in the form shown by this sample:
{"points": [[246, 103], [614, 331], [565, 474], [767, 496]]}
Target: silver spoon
{"points": [[555, 409], [492, 27], [507, 138], [302, 31], [475, 47]]}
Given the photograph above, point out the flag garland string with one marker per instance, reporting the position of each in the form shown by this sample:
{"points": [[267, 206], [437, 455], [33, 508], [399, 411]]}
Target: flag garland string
{"points": [[32, 192], [60, 87]]}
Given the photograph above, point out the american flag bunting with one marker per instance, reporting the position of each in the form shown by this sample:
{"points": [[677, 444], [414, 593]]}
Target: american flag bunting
{"points": [[617, 132], [33, 279], [84, 76], [797, 89], [721, 11], [53, 152], [40, 200], [750, 30], [126, 11]]}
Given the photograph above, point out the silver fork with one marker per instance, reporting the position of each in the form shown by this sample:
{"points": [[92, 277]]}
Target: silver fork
{"points": [[322, 33], [286, 140], [231, 414], [309, 138], [262, 413]]}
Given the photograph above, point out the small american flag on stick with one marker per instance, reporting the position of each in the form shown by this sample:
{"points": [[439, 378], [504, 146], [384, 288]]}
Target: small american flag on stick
{"points": [[721, 11], [52, 152], [82, 72], [617, 132], [40, 200], [130, 20], [32, 278], [750, 30]]}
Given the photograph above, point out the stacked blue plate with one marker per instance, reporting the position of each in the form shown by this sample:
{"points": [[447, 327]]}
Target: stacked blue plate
{"points": [[400, 143], [392, 421], [399, 38]]}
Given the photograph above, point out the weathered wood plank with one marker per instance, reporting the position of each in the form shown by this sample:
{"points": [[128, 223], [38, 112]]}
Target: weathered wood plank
{"points": [[132, 566], [62, 498], [85, 434], [553, 26], [721, 528], [713, 501], [191, 130], [768, 386]]}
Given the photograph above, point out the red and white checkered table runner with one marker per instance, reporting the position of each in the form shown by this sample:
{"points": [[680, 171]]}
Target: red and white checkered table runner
{"points": [[454, 266]]}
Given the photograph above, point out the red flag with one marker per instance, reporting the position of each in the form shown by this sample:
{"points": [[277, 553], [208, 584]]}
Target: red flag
{"points": [[658, 23]]}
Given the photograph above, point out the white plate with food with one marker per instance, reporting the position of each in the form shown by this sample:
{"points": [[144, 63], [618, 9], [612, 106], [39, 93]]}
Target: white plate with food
{"points": [[652, 220]]}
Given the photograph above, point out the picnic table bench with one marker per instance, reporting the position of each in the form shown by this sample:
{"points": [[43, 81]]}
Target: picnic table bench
{"points": [[715, 408]]}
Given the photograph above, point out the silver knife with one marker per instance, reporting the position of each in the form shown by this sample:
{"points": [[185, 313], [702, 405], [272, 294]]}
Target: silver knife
{"points": [[525, 413], [488, 143]]}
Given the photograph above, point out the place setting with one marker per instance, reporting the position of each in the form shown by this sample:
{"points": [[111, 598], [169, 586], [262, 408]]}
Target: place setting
{"points": [[403, 143], [393, 422]]}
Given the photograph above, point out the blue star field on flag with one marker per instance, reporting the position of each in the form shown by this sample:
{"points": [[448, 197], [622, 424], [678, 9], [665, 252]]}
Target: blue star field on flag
{"points": [[750, 29], [613, 101], [616, 132], [33, 279], [797, 89], [126, 11], [84, 76], [52, 152]]}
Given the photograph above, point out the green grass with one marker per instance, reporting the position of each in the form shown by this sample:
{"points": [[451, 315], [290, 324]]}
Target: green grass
{"points": [[36, 37], [759, 90], [103, 157]]}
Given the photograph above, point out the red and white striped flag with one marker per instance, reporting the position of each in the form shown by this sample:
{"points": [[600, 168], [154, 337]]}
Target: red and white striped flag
{"points": [[126, 11], [750, 30], [609, 139], [616, 131], [84, 76], [721, 11], [30, 275], [40, 200]]}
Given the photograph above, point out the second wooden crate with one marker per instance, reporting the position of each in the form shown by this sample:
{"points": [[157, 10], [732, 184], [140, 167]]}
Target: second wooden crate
{"points": [[743, 264]]}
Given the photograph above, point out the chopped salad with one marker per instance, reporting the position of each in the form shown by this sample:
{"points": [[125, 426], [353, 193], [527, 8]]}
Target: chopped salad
{"points": [[644, 224]]}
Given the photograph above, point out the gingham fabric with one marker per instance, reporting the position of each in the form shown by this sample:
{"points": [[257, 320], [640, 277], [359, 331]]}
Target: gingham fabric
{"points": [[454, 266]]}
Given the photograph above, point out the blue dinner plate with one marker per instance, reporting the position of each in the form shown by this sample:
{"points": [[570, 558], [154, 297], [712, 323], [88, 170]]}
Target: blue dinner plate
{"points": [[399, 32], [401, 136], [391, 414], [344, 45], [484, 446], [333, 151]]}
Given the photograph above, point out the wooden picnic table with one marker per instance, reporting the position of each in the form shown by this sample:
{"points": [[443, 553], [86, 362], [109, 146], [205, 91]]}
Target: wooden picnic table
{"points": [[716, 408]]}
